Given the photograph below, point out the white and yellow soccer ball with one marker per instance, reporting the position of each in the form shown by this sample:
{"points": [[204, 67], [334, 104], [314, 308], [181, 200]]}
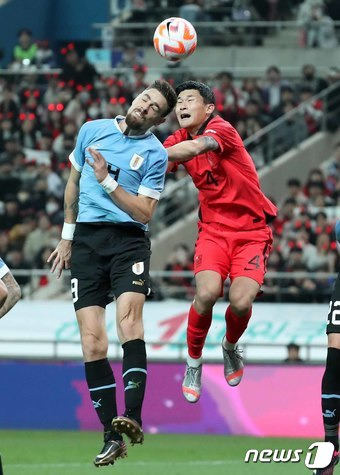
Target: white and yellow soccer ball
{"points": [[175, 39]]}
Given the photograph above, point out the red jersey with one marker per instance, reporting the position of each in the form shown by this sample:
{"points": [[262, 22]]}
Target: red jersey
{"points": [[229, 188]]}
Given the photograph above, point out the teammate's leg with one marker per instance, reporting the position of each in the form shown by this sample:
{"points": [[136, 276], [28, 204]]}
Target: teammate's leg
{"points": [[241, 296], [330, 387], [242, 293], [330, 400], [247, 271], [208, 290], [131, 334], [100, 379]]}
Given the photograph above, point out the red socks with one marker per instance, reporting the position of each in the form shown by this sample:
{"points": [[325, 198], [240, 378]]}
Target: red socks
{"points": [[236, 326], [198, 327]]}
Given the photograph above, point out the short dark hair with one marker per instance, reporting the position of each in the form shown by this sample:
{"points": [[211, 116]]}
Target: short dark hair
{"points": [[167, 91], [274, 69], [25, 31], [225, 74], [293, 346], [293, 182], [204, 90]]}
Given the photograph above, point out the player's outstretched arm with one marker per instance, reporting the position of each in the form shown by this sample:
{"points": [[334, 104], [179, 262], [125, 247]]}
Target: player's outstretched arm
{"points": [[61, 256], [140, 207], [184, 151], [12, 292]]}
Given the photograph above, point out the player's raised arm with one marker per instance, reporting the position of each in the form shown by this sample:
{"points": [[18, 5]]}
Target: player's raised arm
{"points": [[61, 256], [184, 151]]}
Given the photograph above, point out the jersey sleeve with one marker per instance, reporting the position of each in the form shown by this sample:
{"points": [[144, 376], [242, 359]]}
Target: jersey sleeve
{"points": [[77, 157], [224, 134], [3, 269], [169, 142], [337, 230], [152, 183]]}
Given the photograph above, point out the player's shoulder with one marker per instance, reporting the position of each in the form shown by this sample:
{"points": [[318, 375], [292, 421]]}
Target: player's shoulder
{"points": [[216, 124], [97, 124], [156, 149], [176, 137]]}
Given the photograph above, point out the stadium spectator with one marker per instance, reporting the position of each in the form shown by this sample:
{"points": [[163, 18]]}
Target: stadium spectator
{"points": [[295, 191], [317, 27], [15, 260], [180, 260], [271, 91], [139, 83], [309, 79], [287, 96], [298, 289], [192, 11], [25, 52], [320, 257], [77, 71], [333, 173], [230, 102], [293, 354], [311, 109], [37, 239]]}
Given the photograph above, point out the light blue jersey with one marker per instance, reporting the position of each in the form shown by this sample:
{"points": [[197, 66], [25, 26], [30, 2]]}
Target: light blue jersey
{"points": [[3, 269], [137, 163], [337, 230]]}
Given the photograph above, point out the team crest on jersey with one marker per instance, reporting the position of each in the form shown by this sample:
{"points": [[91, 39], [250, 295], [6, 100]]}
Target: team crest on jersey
{"points": [[138, 268], [136, 161]]}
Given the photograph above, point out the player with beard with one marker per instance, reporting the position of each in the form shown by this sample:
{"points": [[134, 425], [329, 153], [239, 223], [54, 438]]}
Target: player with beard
{"points": [[117, 175], [233, 236]]}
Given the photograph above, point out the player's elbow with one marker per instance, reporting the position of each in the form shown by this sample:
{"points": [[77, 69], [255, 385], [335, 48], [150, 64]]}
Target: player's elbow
{"points": [[144, 218]]}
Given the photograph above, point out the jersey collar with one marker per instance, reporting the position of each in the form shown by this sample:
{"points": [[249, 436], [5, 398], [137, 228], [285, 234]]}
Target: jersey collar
{"points": [[202, 128], [119, 118]]}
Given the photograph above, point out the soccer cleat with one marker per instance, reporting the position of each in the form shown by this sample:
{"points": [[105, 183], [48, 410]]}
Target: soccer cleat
{"points": [[233, 366], [129, 427], [329, 470], [191, 386], [112, 450]]}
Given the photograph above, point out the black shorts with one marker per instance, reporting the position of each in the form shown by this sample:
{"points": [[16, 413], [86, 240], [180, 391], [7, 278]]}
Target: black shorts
{"points": [[333, 322], [106, 261]]}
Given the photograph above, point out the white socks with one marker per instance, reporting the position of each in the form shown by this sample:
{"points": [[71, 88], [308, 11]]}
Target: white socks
{"points": [[227, 345], [194, 362]]}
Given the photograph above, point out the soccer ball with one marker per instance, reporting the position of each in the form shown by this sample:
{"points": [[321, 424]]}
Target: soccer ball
{"points": [[175, 39]]}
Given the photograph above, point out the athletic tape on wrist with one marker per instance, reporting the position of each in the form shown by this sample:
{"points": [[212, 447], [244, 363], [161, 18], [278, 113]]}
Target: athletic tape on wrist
{"points": [[68, 231], [109, 184]]}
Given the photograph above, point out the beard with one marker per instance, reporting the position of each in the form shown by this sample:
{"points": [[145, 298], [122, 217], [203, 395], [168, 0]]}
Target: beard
{"points": [[134, 122]]}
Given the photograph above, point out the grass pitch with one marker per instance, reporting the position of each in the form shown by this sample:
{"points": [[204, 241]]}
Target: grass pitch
{"points": [[71, 453]]}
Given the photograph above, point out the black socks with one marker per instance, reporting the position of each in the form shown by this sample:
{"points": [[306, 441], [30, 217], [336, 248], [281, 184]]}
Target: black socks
{"points": [[134, 376], [330, 398]]}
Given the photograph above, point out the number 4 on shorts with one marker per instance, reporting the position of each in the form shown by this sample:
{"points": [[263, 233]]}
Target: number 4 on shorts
{"points": [[253, 263]]}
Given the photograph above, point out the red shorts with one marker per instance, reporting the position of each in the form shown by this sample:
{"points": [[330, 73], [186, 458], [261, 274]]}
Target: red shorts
{"points": [[232, 253]]}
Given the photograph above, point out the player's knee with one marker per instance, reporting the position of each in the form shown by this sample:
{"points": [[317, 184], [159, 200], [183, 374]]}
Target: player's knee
{"points": [[207, 296], [94, 347], [241, 305]]}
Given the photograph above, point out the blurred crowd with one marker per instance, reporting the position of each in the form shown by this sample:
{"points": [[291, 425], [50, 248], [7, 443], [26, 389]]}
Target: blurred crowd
{"points": [[217, 10], [304, 241], [41, 115]]}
